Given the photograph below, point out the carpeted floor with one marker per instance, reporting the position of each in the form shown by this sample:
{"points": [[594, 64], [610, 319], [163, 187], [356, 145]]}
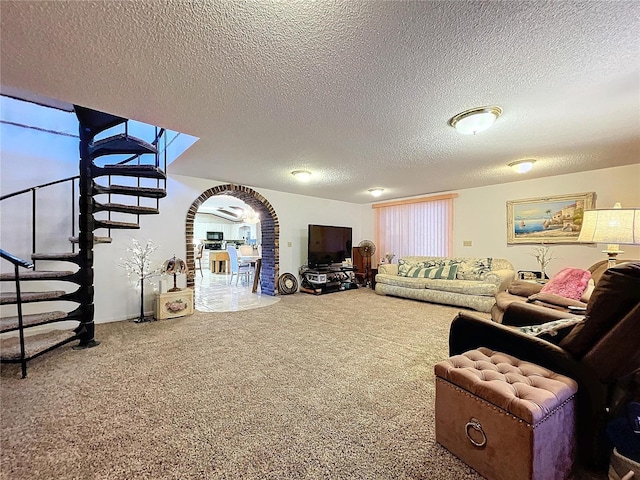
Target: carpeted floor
{"points": [[338, 386]]}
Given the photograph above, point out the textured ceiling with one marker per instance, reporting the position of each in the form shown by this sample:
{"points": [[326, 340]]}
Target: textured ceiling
{"points": [[358, 92]]}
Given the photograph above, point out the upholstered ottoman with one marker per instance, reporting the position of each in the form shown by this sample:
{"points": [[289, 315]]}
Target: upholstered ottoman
{"points": [[506, 418]]}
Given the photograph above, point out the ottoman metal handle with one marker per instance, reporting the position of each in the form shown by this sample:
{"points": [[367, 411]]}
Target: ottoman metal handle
{"points": [[475, 424]]}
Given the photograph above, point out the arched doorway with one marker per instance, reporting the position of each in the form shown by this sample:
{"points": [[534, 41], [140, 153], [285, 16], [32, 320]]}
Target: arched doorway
{"points": [[268, 223]]}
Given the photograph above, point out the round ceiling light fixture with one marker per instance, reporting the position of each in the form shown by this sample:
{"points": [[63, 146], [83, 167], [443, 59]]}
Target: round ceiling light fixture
{"points": [[522, 166], [475, 120], [376, 192], [302, 175]]}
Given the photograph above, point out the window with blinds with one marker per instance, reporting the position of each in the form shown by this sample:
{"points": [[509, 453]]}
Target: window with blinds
{"points": [[417, 226]]}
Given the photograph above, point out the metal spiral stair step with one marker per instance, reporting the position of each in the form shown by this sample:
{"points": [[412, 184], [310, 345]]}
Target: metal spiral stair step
{"points": [[123, 208], [142, 171], [121, 144], [116, 225], [8, 298], [8, 324], [34, 344], [58, 257], [96, 239], [147, 192], [38, 275]]}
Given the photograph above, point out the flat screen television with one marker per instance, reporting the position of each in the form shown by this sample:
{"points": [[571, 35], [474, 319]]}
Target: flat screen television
{"points": [[328, 245]]}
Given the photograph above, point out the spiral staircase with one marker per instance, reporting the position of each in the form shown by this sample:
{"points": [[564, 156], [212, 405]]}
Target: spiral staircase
{"points": [[26, 289]]}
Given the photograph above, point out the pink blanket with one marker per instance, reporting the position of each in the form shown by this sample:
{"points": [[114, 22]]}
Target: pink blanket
{"points": [[568, 282]]}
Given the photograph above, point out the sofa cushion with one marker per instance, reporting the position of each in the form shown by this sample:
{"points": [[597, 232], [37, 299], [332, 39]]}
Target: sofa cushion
{"points": [[524, 288], [466, 287], [400, 281], [472, 268], [442, 272], [552, 300], [568, 282]]}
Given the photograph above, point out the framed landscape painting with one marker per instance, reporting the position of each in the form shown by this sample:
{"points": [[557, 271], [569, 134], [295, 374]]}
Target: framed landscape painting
{"points": [[556, 219]]}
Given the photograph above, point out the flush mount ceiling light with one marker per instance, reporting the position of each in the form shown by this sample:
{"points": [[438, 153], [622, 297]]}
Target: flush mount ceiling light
{"points": [[376, 192], [302, 175], [522, 166], [475, 120]]}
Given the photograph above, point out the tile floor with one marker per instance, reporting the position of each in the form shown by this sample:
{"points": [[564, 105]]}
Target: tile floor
{"points": [[214, 294]]}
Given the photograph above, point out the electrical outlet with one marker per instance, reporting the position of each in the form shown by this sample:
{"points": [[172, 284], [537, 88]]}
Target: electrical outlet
{"points": [[288, 244], [466, 243]]}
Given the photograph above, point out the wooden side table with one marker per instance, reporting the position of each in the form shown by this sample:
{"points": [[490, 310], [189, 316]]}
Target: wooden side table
{"points": [[173, 304]]}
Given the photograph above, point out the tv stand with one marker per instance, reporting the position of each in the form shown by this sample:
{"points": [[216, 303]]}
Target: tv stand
{"points": [[327, 280]]}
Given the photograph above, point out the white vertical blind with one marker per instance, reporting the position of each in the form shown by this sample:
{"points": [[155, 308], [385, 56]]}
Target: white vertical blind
{"points": [[415, 227]]}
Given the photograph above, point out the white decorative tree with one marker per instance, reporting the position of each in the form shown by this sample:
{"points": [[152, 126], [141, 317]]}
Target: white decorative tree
{"points": [[139, 267], [543, 256]]}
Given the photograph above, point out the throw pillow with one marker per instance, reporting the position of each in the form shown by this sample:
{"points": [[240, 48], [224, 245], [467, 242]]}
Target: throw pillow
{"points": [[474, 268], [568, 282], [443, 273], [404, 267]]}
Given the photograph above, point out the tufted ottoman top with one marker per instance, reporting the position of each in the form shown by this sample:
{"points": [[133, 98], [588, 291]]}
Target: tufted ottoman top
{"points": [[526, 390]]}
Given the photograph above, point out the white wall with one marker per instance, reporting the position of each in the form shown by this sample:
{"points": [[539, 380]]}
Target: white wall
{"points": [[115, 299], [481, 216]]}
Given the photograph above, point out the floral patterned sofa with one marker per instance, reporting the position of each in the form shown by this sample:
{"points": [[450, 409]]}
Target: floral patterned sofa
{"points": [[460, 281]]}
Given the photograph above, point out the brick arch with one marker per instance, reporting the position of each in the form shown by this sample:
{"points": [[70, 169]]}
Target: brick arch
{"points": [[269, 227]]}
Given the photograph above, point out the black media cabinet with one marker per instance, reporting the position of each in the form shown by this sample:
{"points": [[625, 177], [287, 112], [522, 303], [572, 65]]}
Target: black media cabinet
{"points": [[327, 280]]}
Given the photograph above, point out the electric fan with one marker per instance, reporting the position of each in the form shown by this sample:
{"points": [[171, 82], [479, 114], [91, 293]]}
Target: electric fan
{"points": [[367, 248]]}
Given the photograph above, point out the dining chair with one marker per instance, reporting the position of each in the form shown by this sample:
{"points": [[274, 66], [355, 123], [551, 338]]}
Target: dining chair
{"points": [[246, 250], [238, 268], [199, 251]]}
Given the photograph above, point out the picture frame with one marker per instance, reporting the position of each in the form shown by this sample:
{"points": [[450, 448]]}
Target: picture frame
{"points": [[545, 220]]}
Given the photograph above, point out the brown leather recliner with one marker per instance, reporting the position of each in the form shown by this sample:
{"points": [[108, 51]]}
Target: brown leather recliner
{"points": [[599, 352], [529, 292]]}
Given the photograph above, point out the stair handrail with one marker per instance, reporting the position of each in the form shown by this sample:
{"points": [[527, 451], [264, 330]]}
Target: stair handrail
{"points": [[34, 216], [15, 260], [154, 143], [27, 190], [17, 263]]}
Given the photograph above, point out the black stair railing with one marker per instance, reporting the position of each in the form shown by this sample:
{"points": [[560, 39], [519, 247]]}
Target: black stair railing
{"points": [[33, 191], [91, 124], [17, 263]]}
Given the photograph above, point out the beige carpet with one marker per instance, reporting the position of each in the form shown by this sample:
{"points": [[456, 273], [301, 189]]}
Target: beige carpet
{"points": [[338, 386]]}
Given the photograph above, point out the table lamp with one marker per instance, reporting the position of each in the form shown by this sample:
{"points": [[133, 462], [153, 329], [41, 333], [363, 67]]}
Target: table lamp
{"points": [[613, 226], [174, 266]]}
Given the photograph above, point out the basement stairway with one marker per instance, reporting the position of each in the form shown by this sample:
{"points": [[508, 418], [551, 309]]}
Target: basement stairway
{"points": [[34, 305]]}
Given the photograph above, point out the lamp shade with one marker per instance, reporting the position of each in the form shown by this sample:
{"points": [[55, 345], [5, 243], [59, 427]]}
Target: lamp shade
{"points": [[611, 226]]}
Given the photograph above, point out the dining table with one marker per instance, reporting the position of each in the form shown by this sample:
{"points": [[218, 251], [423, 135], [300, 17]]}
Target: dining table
{"points": [[256, 263]]}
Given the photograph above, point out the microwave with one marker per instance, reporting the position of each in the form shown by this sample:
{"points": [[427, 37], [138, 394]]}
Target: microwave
{"points": [[215, 236]]}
